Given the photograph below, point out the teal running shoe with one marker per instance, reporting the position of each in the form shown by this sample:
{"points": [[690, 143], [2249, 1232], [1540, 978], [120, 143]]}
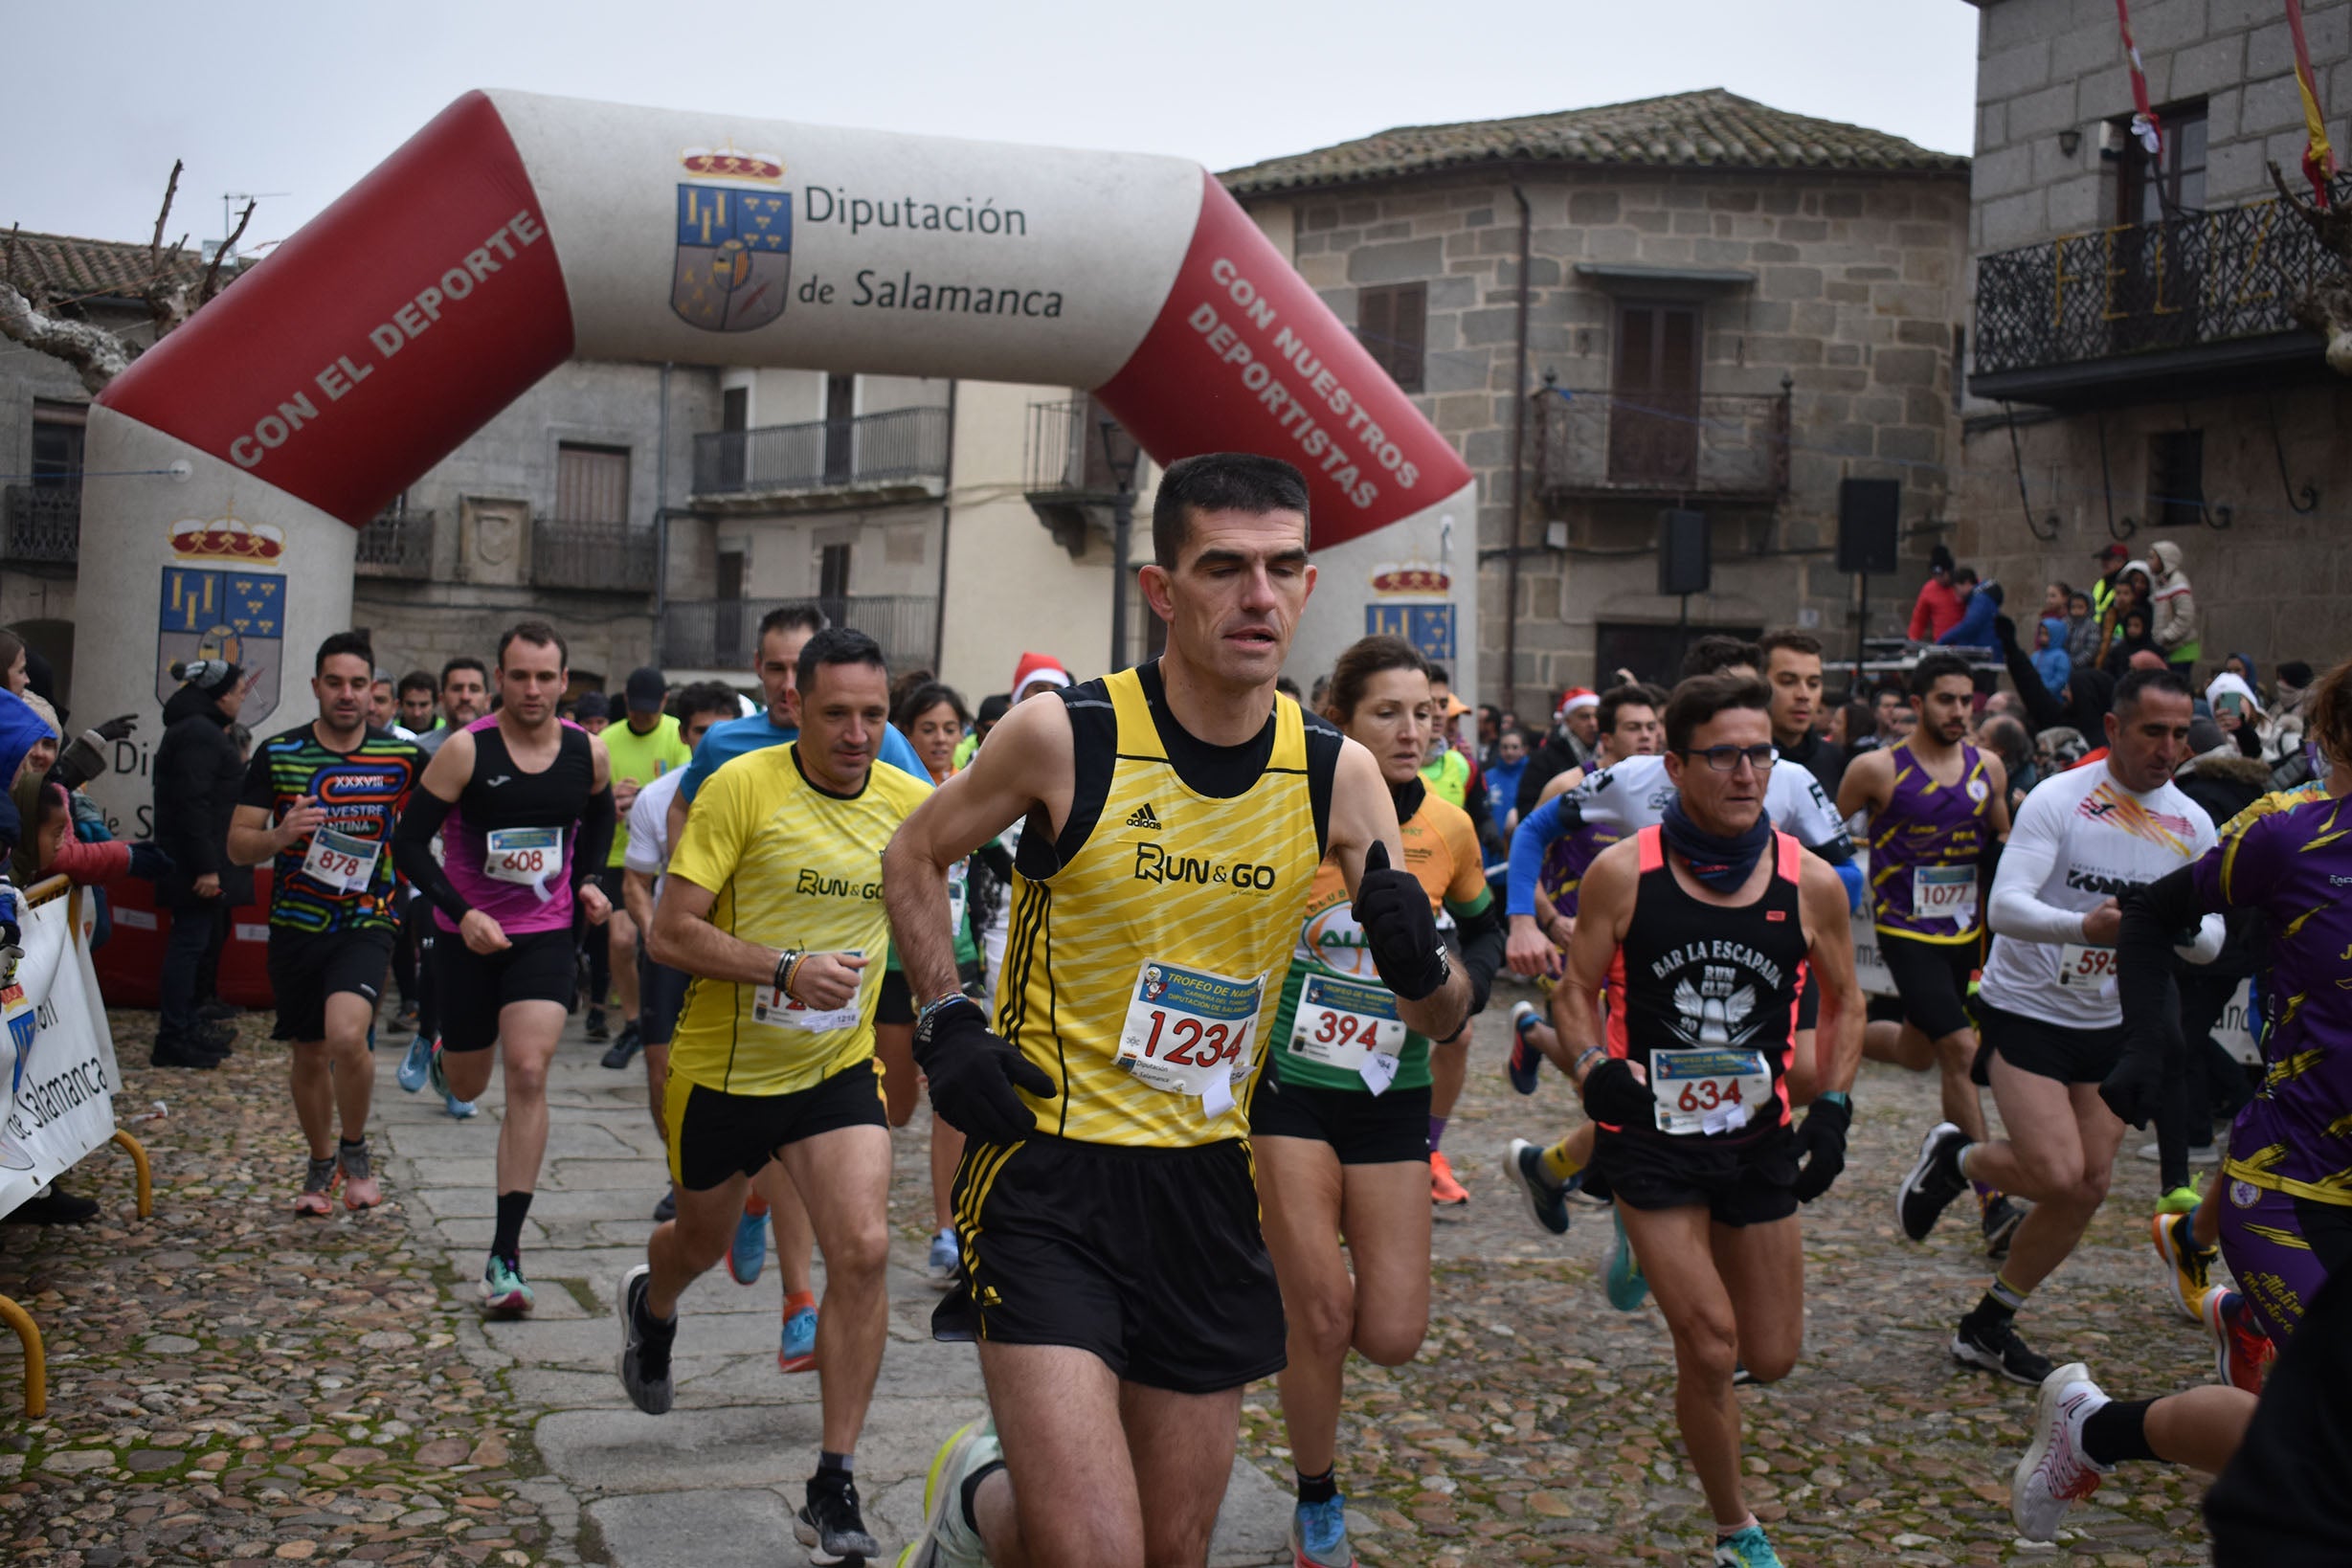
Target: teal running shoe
{"points": [[799, 1350], [504, 1291], [748, 1254], [415, 1062], [1627, 1291], [1747, 1549], [1319, 1534], [440, 1080]]}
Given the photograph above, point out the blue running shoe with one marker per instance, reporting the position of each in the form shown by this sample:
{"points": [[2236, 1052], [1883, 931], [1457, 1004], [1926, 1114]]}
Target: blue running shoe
{"points": [[1627, 1291], [1523, 1163], [749, 1254], [1746, 1549], [799, 1350], [1525, 1059], [940, 1265], [459, 1108], [415, 1064], [1319, 1534]]}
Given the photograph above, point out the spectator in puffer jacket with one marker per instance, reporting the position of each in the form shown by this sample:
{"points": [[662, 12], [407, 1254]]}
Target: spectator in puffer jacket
{"points": [[2174, 626]]}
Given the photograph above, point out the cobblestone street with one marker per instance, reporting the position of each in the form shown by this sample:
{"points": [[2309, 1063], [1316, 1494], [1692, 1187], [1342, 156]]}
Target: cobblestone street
{"points": [[230, 1384]]}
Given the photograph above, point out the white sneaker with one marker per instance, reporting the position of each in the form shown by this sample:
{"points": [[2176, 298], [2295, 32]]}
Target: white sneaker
{"points": [[2055, 1473], [947, 1541]]}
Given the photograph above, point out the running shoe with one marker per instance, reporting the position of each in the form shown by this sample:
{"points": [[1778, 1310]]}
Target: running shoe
{"points": [[406, 1017], [666, 1210], [1993, 1344], [2179, 1200], [644, 1361], [948, 1539], [1746, 1549], [2002, 1217], [504, 1291], [1623, 1278], [625, 1045], [2242, 1353], [1442, 1187], [797, 1350], [318, 1187], [596, 1029], [749, 1254], [1933, 1181], [415, 1062], [831, 1527], [2187, 1268], [459, 1110], [1523, 1164], [1524, 1059], [360, 1190], [939, 1266], [2055, 1473], [440, 1080], [1319, 1534]]}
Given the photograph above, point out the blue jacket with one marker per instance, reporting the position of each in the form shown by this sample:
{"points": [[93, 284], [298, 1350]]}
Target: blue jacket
{"points": [[1975, 629], [2053, 664]]}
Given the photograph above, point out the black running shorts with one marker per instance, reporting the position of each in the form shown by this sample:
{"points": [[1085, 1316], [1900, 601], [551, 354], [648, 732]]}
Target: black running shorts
{"points": [[308, 967], [1746, 1183], [2046, 1051], [1932, 978], [661, 996], [896, 1004], [714, 1135], [540, 966], [1149, 1258], [1362, 1128]]}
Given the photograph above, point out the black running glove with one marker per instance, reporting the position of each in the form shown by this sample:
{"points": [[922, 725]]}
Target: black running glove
{"points": [[973, 1074], [1614, 1097], [1392, 909], [2134, 1088], [1821, 1137]]}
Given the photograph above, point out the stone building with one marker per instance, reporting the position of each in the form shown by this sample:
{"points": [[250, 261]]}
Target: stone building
{"points": [[2136, 372], [1695, 301]]}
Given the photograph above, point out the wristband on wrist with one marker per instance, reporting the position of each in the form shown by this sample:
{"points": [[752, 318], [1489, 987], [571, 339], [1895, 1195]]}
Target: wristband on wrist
{"points": [[1834, 1097], [785, 963], [933, 1009], [1583, 1063]]}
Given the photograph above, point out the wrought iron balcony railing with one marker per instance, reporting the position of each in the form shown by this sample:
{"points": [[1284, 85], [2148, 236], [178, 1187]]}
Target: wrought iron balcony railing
{"points": [[607, 557], [718, 633], [1593, 443], [396, 545], [42, 524], [873, 451], [2196, 278]]}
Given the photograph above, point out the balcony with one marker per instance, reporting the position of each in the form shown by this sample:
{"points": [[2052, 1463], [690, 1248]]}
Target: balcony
{"points": [[396, 545], [899, 455], [2150, 310], [718, 633], [1594, 445], [41, 525], [1065, 473], [600, 557]]}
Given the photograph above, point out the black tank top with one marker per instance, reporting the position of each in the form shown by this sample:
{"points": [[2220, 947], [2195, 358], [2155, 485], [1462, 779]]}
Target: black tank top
{"points": [[502, 795], [1704, 977]]}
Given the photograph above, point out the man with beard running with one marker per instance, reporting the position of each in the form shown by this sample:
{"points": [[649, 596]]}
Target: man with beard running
{"points": [[334, 787], [1937, 809], [1113, 1269], [1705, 928], [523, 801], [2049, 1004]]}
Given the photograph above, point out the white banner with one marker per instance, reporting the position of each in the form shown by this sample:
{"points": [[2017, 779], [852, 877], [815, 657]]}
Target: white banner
{"points": [[56, 1053]]}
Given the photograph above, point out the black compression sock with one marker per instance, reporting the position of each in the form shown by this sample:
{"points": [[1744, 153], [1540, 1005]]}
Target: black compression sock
{"points": [[1318, 1489], [2117, 1430], [506, 1241]]}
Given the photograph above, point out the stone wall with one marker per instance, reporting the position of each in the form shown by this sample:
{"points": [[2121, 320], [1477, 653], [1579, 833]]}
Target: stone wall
{"points": [[1854, 299], [2272, 583], [2045, 66]]}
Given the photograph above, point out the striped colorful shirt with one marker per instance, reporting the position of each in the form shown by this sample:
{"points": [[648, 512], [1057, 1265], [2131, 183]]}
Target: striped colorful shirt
{"points": [[362, 791]]}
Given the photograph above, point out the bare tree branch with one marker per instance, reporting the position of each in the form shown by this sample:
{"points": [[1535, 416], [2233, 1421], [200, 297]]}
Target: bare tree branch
{"points": [[155, 241], [211, 273], [96, 355]]}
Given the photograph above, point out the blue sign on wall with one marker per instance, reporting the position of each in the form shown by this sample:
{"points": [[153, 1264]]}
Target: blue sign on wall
{"points": [[1429, 627]]}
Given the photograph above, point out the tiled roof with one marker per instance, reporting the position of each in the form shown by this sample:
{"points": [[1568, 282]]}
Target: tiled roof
{"points": [[1707, 130], [67, 267]]}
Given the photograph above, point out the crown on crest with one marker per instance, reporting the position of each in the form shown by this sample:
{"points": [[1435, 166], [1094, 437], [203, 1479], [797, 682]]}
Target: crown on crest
{"points": [[1412, 577], [731, 163]]}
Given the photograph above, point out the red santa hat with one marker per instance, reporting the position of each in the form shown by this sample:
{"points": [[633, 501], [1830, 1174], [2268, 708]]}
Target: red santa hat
{"points": [[1037, 669], [1576, 697]]}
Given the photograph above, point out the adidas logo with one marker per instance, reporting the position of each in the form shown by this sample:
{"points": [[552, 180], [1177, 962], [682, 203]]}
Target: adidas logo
{"points": [[1144, 818]]}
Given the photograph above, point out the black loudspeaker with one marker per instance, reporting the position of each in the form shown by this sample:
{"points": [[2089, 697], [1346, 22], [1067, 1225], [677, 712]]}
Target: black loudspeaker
{"points": [[1682, 551], [1869, 513]]}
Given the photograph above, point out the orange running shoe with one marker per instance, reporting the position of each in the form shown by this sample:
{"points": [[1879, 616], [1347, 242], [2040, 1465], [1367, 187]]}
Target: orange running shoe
{"points": [[1442, 1187]]}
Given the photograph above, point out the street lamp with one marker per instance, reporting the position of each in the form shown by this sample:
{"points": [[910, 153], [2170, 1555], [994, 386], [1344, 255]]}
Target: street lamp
{"points": [[1121, 456]]}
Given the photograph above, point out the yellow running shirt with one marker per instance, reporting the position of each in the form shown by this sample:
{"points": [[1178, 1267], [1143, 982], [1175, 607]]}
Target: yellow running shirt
{"points": [[641, 759], [1150, 941], [793, 867]]}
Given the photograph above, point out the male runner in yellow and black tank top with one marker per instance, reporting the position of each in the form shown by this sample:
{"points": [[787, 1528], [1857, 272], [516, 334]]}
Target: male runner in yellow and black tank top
{"points": [[1114, 1272]]}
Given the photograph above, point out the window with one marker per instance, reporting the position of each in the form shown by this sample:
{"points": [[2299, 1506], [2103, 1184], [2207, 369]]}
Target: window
{"points": [[1960, 366], [2154, 187], [734, 418], [833, 572], [591, 484], [735, 408], [1654, 397], [841, 428], [57, 444], [1391, 323], [2176, 478]]}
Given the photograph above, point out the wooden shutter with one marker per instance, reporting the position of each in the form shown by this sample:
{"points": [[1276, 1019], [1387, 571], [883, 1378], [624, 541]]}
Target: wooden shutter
{"points": [[592, 484]]}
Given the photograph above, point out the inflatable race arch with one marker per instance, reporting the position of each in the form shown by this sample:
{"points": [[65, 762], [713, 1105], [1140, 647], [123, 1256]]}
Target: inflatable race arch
{"points": [[232, 465]]}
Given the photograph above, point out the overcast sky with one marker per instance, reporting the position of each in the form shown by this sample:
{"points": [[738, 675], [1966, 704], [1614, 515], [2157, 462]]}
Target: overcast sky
{"points": [[304, 99]]}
